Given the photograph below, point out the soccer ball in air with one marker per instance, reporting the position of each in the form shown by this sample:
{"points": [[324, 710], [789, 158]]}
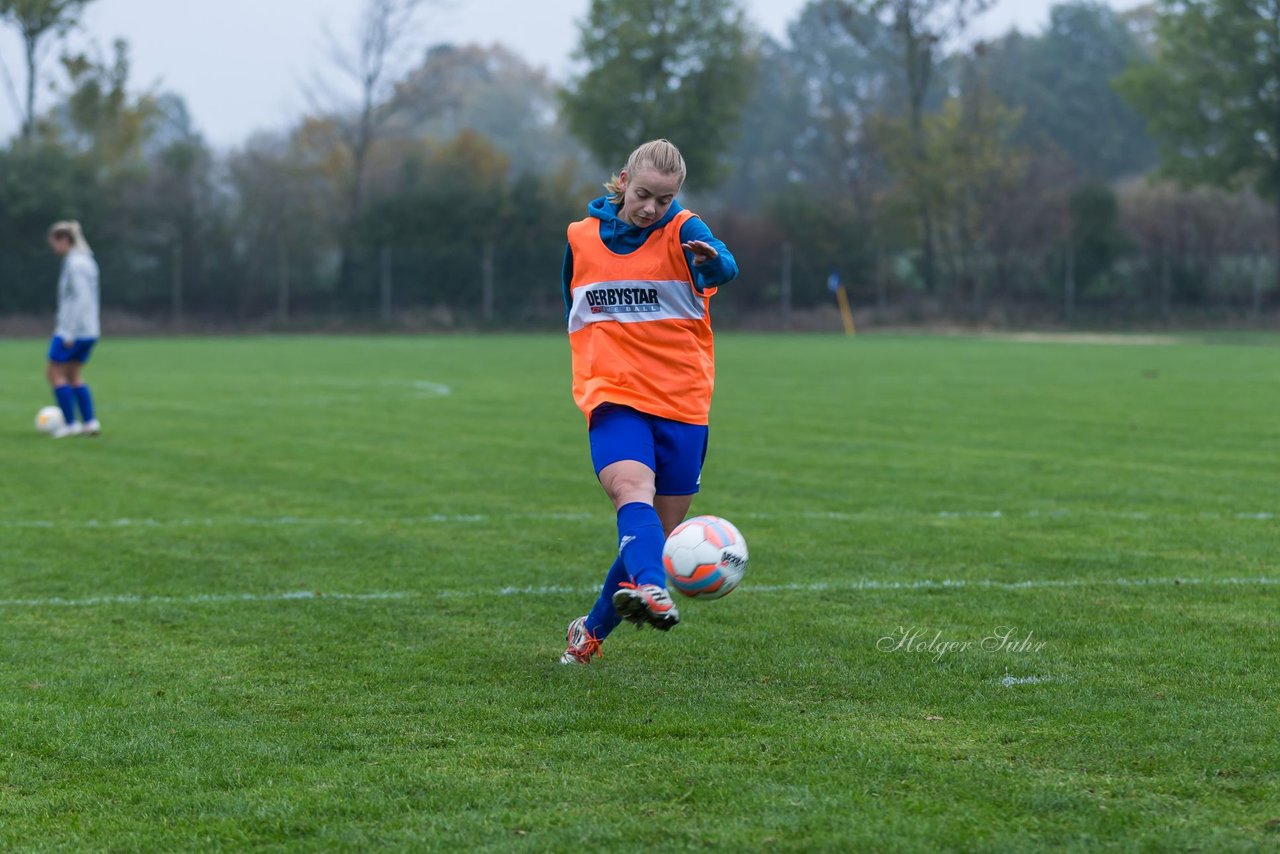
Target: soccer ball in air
{"points": [[49, 419], [705, 557]]}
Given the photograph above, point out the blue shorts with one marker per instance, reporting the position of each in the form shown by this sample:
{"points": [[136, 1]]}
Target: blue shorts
{"points": [[78, 352], [675, 451]]}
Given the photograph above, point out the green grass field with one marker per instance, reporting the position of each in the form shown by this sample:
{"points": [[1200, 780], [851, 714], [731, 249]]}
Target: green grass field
{"points": [[298, 597]]}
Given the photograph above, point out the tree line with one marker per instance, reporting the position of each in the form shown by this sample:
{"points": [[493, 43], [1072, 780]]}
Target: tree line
{"points": [[1110, 168]]}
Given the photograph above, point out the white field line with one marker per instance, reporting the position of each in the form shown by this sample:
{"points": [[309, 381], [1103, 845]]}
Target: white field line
{"points": [[425, 388], [917, 584], [198, 599], [480, 518], [438, 389], [287, 521], [566, 590], [412, 389]]}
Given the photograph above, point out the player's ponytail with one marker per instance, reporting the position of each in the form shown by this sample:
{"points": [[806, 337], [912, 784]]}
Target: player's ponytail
{"points": [[70, 230], [659, 154]]}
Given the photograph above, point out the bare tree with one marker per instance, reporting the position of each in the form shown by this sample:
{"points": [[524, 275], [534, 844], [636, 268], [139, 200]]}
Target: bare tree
{"points": [[35, 21], [366, 72], [923, 29]]}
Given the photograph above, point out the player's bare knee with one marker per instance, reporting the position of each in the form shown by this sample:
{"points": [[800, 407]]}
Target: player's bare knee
{"points": [[625, 490], [625, 487]]}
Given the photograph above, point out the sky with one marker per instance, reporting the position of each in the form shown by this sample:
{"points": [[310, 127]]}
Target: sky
{"points": [[244, 65]]}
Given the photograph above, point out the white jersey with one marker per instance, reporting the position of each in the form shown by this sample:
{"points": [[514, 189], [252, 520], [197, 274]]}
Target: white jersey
{"points": [[78, 296]]}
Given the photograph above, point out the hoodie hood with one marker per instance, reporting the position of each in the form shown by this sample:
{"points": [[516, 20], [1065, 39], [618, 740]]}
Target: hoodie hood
{"points": [[621, 236]]}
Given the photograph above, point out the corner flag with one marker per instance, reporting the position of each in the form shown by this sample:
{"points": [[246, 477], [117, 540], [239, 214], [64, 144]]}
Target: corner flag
{"points": [[835, 286]]}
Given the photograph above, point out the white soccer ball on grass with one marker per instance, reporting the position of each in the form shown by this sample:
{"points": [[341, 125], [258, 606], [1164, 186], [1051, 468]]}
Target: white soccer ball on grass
{"points": [[49, 419]]}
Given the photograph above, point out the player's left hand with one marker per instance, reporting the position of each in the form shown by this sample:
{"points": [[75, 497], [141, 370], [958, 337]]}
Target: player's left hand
{"points": [[702, 252]]}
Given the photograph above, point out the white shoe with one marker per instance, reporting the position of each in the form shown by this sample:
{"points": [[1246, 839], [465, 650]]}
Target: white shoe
{"points": [[67, 430], [92, 428], [583, 645]]}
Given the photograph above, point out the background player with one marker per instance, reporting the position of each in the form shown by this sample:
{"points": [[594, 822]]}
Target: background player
{"points": [[77, 329]]}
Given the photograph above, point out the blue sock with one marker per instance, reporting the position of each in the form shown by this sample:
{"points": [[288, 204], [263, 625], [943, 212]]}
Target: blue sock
{"points": [[603, 619], [640, 543], [86, 403], [66, 402]]}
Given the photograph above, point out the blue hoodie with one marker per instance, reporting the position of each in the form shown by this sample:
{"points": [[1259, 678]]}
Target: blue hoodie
{"points": [[623, 238]]}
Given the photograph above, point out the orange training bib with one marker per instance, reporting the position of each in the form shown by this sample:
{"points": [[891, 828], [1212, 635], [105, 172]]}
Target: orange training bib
{"points": [[639, 330]]}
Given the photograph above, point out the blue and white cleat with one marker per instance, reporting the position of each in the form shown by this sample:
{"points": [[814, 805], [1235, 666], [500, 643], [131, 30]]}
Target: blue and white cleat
{"points": [[68, 430]]}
